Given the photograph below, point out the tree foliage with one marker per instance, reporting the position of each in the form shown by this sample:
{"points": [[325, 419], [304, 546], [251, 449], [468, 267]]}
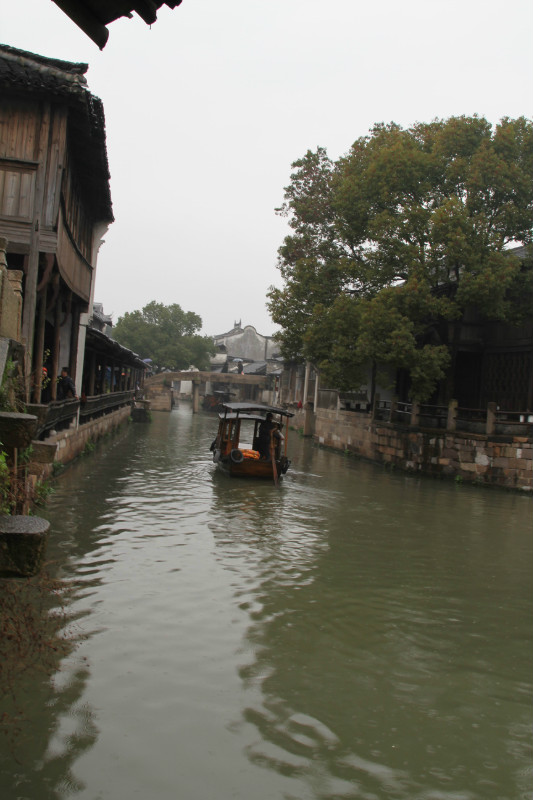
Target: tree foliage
{"points": [[166, 334], [408, 228]]}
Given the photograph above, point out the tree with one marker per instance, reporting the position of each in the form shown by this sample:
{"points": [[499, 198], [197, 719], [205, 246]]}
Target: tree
{"points": [[427, 213], [166, 334], [313, 259]]}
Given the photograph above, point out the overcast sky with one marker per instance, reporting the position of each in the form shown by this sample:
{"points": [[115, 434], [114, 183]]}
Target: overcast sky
{"points": [[207, 109]]}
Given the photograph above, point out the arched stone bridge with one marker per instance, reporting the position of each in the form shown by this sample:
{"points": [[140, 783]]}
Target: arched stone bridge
{"points": [[158, 387]]}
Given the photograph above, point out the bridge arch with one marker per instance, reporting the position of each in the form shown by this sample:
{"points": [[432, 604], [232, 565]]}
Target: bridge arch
{"points": [[158, 388]]}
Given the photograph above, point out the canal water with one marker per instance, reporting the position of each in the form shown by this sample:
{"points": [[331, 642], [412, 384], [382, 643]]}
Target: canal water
{"points": [[354, 634]]}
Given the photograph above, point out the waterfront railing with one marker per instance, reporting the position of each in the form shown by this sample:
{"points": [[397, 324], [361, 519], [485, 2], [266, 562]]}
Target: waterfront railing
{"points": [[452, 417], [59, 415]]}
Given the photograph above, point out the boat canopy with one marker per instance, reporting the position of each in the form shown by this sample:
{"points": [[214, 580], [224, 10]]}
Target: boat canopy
{"points": [[255, 408], [236, 415]]}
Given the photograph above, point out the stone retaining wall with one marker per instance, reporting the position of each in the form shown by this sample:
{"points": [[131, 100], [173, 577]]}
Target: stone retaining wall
{"points": [[160, 397], [71, 443], [505, 461]]}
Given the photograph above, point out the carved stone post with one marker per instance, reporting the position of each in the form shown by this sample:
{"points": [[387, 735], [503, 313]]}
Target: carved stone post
{"points": [[451, 424], [491, 418]]}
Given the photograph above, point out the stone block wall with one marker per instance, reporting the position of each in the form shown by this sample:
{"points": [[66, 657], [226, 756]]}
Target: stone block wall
{"points": [[505, 461], [70, 443], [160, 397]]}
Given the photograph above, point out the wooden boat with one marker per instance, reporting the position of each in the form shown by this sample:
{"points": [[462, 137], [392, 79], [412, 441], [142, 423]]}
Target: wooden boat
{"points": [[215, 402], [244, 447]]}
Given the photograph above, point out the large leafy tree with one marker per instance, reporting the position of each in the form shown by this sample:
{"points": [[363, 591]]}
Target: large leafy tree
{"points": [[166, 334], [409, 227]]}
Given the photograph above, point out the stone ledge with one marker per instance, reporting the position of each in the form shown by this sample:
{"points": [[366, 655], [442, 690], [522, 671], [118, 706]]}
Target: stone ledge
{"points": [[22, 544]]}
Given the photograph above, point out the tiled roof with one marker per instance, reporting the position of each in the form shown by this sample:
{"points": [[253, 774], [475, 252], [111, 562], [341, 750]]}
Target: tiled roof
{"points": [[92, 16]]}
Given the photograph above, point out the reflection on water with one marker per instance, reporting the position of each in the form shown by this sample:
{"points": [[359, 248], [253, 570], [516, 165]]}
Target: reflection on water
{"points": [[353, 634]]}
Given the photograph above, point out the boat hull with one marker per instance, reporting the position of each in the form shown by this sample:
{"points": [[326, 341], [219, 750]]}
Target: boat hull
{"points": [[251, 468]]}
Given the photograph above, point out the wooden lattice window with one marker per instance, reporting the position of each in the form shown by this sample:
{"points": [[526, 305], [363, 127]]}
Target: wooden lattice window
{"points": [[506, 380]]}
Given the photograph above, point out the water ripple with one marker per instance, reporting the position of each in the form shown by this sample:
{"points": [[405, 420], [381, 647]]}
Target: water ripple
{"points": [[351, 634]]}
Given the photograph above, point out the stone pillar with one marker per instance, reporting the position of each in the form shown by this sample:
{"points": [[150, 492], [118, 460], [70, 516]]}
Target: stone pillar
{"points": [[195, 396], [491, 419], [306, 381], [309, 419], [452, 415], [22, 544], [315, 403]]}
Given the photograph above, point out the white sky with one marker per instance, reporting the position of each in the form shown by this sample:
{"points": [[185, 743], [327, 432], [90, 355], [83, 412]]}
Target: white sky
{"points": [[207, 109]]}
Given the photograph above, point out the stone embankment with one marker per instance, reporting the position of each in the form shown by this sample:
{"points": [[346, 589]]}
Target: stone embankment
{"points": [[68, 444], [489, 459]]}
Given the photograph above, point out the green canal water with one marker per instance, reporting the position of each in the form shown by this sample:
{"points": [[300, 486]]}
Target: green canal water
{"points": [[354, 634]]}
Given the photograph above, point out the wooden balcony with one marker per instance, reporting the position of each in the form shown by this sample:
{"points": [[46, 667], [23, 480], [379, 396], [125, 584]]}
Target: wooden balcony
{"points": [[61, 414]]}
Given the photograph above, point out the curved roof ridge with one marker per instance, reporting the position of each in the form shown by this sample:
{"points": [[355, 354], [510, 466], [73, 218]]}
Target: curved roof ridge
{"points": [[76, 69]]}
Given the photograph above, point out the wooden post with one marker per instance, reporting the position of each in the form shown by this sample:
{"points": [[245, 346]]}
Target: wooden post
{"points": [[39, 347], [30, 285], [92, 375], [57, 344], [74, 338], [393, 407], [452, 415], [415, 414]]}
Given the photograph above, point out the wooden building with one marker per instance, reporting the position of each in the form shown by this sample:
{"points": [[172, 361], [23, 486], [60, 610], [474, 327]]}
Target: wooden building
{"points": [[55, 205]]}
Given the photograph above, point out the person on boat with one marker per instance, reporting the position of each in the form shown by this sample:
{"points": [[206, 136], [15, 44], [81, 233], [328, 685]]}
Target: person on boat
{"points": [[267, 429]]}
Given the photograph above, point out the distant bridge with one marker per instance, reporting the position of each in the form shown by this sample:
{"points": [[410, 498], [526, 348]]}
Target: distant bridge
{"points": [[158, 387], [164, 378]]}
